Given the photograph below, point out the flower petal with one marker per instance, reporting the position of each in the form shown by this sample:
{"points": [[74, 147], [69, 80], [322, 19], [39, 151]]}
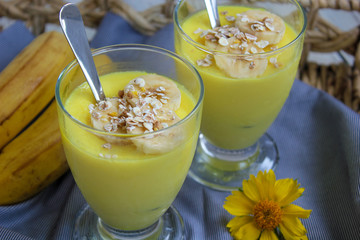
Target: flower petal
{"points": [[260, 187], [296, 211], [286, 191], [270, 180], [291, 227], [266, 184], [250, 189], [237, 223], [248, 232], [268, 235], [238, 204]]}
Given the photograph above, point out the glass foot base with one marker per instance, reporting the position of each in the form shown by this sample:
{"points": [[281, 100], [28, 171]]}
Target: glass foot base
{"points": [[89, 226], [224, 170]]}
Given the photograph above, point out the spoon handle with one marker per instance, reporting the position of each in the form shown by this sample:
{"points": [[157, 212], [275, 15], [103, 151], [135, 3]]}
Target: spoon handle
{"points": [[73, 27], [212, 11]]}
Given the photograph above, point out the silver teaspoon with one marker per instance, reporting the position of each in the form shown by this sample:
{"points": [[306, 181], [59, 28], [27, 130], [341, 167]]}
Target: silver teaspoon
{"points": [[212, 11], [73, 27]]}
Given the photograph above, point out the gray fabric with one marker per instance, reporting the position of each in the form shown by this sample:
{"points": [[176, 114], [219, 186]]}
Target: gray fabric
{"points": [[319, 144]]}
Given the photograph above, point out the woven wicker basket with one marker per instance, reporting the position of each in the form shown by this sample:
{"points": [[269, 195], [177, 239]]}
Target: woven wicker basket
{"points": [[342, 80]]}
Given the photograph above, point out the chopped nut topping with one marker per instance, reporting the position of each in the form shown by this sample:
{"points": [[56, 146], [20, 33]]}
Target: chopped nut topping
{"points": [[262, 43], [95, 115], [268, 22], [134, 109], [274, 62], [224, 12], [245, 19], [104, 105], [121, 93], [160, 89], [199, 30], [148, 126], [206, 62], [250, 37], [140, 82], [257, 27], [252, 65], [253, 50], [230, 18], [223, 41], [108, 155], [107, 145], [242, 36]]}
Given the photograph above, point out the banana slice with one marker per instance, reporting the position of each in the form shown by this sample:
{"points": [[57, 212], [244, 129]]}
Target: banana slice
{"points": [[161, 142], [241, 66], [104, 113], [146, 104], [109, 116], [262, 24], [150, 85]]}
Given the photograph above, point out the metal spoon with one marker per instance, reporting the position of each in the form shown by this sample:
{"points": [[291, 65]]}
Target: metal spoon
{"points": [[73, 27], [212, 11]]}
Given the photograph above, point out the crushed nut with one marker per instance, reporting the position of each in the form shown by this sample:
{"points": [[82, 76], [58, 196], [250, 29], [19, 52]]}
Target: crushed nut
{"points": [[107, 145], [223, 41], [252, 65], [224, 12], [230, 18]]}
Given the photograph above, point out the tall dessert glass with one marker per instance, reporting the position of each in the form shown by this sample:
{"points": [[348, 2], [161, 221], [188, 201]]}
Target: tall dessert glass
{"points": [[130, 179], [248, 66]]}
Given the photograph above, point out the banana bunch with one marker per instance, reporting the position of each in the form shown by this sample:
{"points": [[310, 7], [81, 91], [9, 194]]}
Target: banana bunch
{"points": [[251, 32], [31, 153]]}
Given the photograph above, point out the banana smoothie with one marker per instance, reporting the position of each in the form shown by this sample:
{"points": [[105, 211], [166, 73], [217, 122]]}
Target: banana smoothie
{"points": [[245, 89], [130, 181]]}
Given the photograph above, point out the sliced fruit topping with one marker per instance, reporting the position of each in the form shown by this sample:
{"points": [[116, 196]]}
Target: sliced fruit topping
{"points": [[249, 33], [147, 104]]}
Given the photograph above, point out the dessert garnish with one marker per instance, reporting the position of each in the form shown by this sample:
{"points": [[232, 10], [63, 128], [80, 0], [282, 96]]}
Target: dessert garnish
{"points": [[146, 104], [248, 33]]}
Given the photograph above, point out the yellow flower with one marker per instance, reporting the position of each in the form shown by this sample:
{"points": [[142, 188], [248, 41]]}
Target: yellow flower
{"points": [[264, 206]]}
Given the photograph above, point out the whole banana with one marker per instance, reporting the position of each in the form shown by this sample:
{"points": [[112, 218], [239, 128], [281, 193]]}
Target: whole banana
{"points": [[27, 84], [33, 160], [31, 153]]}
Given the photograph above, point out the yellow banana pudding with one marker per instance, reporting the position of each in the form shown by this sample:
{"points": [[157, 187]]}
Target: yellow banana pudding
{"points": [[130, 172], [247, 77]]}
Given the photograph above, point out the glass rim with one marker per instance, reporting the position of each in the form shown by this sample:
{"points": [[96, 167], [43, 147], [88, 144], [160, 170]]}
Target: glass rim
{"points": [[142, 47], [268, 53]]}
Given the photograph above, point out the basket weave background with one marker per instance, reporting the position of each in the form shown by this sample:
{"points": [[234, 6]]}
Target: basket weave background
{"points": [[342, 80]]}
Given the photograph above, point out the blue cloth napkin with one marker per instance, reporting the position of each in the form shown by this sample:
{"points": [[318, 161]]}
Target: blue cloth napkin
{"points": [[319, 144]]}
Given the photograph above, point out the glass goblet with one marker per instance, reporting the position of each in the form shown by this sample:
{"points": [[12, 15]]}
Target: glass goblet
{"points": [[129, 180], [247, 75]]}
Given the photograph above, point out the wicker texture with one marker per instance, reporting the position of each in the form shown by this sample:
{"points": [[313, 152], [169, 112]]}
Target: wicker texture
{"points": [[340, 80]]}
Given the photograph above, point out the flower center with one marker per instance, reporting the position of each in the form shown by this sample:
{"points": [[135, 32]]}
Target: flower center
{"points": [[267, 214]]}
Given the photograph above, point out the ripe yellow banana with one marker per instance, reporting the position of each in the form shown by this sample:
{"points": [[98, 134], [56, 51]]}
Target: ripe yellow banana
{"points": [[27, 84], [33, 160], [31, 153]]}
